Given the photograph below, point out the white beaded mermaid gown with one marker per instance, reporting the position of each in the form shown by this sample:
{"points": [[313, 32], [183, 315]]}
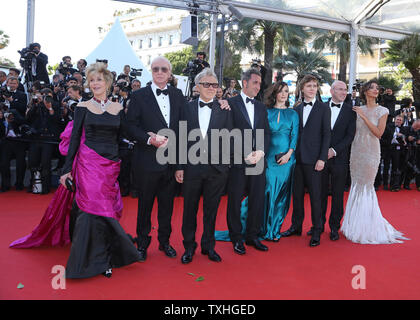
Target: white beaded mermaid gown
{"points": [[363, 221]]}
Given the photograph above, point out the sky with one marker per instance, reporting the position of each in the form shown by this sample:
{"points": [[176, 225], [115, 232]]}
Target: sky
{"points": [[61, 27]]}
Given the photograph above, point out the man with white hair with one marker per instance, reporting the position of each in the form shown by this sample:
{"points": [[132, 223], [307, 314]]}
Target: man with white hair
{"points": [[151, 109], [343, 129]]}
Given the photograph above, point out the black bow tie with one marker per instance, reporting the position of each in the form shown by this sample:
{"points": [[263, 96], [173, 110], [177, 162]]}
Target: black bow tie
{"points": [[338, 105], [250, 100], [208, 104], [165, 92], [306, 103]]}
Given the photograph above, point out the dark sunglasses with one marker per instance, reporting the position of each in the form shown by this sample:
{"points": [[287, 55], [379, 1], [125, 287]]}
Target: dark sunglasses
{"points": [[163, 69], [208, 84]]}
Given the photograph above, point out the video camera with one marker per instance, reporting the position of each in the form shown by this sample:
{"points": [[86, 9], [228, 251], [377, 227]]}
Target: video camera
{"points": [[192, 68], [256, 63], [357, 85], [26, 55], [135, 72]]}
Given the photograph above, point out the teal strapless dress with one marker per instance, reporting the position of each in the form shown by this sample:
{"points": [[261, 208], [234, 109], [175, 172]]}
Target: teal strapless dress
{"points": [[284, 127]]}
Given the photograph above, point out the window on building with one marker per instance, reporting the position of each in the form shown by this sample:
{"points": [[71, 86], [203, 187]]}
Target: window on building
{"points": [[141, 44], [149, 59], [171, 39], [150, 42], [160, 41]]}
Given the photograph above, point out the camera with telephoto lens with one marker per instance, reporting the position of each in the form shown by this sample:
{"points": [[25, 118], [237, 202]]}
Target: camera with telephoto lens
{"points": [[409, 109], [357, 85], [48, 99], [192, 68], [26, 55], [256, 63], [5, 92], [135, 72]]}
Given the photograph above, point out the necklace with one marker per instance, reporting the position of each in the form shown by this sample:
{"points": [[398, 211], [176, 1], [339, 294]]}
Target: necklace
{"points": [[103, 104]]}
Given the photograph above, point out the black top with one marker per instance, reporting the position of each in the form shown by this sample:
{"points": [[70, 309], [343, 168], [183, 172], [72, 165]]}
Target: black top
{"points": [[101, 131]]}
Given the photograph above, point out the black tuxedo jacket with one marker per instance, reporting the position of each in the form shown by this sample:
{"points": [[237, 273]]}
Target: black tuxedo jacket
{"points": [[41, 68], [144, 116], [314, 139], [342, 134], [242, 122], [219, 119], [389, 133], [20, 101]]}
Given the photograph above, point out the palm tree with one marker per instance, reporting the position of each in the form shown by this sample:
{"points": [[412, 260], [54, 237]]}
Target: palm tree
{"points": [[304, 62], [340, 43], [407, 51], [262, 36]]}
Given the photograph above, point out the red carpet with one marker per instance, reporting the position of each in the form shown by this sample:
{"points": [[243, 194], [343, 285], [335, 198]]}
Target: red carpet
{"points": [[289, 270]]}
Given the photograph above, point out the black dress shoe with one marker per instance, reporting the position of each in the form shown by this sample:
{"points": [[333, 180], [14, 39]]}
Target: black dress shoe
{"points": [[213, 256], [169, 251], [292, 231], [334, 235], [239, 247], [187, 256], [108, 273], [142, 254], [256, 244], [314, 242], [310, 232]]}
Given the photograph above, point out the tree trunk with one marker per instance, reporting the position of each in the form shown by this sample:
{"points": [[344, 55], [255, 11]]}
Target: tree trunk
{"points": [[343, 68], [416, 84], [269, 36]]}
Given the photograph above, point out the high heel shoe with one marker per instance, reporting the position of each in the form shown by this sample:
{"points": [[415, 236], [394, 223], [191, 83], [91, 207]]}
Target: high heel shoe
{"points": [[108, 273]]}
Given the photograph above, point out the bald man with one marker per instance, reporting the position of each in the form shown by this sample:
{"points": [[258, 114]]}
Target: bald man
{"points": [[343, 129]]}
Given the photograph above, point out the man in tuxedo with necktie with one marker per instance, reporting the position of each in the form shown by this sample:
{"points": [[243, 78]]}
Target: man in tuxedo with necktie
{"points": [[343, 129], [151, 109], [248, 115], [208, 175], [311, 156]]}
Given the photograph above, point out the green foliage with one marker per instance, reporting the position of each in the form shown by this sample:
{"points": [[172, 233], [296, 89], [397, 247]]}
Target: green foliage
{"points": [[303, 62], [389, 82], [179, 59], [4, 62], [406, 51], [4, 40]]}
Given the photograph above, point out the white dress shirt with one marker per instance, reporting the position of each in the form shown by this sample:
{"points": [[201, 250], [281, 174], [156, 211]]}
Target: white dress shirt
{"points": [[334, 113], [163, 102], [204, 114], [307, 110], [249, 108]]}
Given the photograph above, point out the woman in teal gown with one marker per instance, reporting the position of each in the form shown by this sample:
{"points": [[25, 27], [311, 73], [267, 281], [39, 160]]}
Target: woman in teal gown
{"points": [[284, 126]]}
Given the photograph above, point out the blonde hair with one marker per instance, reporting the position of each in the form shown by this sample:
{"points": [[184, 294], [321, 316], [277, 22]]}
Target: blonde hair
{"points": [[99, 67]]}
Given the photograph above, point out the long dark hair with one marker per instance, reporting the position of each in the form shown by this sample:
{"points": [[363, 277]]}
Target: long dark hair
{"points": [[272, 92], [365, 87]]}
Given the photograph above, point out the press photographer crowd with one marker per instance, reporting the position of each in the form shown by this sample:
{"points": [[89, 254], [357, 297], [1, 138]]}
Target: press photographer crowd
{"points": [[35, 110]]}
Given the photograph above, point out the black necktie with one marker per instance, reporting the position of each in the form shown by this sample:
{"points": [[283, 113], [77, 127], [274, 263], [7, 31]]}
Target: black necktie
{"points": [[165, 92], [338, 105], [208, 104], [250, 100], [306, 103]]}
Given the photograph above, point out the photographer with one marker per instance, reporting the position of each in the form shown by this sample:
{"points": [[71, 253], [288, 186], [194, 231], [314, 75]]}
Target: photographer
{"points": [[81, 66], [388, 100], [406, 111], [12, 147], [135, 85], [73, 97], [14, 99], [66, 67], [43, 116], [194, 67], [415, 129], [13, 72], [395, 136], [38, 62], [256, 64], [230, 88]]}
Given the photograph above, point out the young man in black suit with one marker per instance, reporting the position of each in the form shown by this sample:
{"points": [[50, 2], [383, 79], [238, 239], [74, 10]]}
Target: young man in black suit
{"points": [[311, 155], [343, 129], [207, 174], [249, 115], [151, 109]]}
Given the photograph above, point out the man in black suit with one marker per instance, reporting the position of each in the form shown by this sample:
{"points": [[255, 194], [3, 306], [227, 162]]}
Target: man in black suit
{"points": [[151, 109], [207, 174], [39, 63], [249, 116], [343, 129], [311, 155], [18, 100]]}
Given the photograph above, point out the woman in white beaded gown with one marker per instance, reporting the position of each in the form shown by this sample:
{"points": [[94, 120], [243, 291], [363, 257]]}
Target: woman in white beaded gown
{"points": [[363, 221]]}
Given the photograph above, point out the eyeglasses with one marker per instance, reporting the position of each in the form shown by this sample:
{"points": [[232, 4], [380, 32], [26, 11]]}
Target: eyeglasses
{"points": [[208, 84], [163, 69]]}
